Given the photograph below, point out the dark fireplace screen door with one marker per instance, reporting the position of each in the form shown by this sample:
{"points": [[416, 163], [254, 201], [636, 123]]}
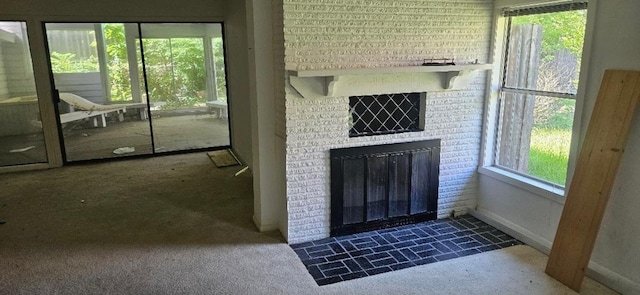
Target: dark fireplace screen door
{"points": [[382, 186]]}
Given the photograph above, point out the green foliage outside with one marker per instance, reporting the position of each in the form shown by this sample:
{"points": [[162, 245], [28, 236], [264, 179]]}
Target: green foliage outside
{"points": [[176, 71], [561, 30], [117, 63], [68, 63], [553, 117], [554, 113], [549, 154]]}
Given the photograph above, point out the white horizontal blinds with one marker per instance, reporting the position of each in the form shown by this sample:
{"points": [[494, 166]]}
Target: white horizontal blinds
{"points": [[556, 7]]}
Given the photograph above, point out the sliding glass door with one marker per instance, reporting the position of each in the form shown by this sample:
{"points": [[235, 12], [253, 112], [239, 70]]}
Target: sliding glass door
{"points": [[132, 89], [184, 67], [99, 114], [21, 135]]}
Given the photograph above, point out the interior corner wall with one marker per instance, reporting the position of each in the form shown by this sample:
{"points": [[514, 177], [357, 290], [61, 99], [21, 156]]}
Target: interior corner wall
{"points": [[277, 16], [615, 45], [267, 181], [235, 34]]}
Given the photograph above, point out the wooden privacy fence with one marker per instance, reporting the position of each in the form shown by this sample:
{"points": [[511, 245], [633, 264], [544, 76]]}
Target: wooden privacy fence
{"points": [[80, 42], [517, 109]]}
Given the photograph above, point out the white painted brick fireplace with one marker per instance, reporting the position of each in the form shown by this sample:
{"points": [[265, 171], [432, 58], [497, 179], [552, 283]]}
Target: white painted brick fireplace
{"points": [[355, 34]]}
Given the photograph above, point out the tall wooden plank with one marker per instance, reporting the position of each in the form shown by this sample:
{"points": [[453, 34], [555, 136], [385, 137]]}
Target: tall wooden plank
{"points": [[594, 176]]}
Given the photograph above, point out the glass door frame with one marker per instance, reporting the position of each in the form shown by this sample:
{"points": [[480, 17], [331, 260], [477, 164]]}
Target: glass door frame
{"points": [[31, 66], [135, 83]]}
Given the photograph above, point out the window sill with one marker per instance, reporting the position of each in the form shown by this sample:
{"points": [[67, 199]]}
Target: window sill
{"points": [[528, 184]]}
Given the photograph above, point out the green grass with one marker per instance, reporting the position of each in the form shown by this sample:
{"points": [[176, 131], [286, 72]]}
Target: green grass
{"points": [[549, 154]]}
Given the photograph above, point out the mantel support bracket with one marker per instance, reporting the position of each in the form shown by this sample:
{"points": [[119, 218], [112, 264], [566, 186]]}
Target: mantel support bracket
{"points": [[331, 83], [459, 79]]}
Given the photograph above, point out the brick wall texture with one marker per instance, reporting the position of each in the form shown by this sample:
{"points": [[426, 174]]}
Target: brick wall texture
{"points": [[331, 34]]}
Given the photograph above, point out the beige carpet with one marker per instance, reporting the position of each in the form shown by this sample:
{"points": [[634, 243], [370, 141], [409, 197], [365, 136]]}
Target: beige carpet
{"points": [[179, 225]]}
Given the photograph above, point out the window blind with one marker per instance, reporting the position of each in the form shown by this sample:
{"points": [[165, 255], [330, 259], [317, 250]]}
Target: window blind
{"points": [[558, 7]]}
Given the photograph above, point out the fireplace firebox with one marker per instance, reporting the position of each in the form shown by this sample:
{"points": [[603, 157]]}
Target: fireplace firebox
{"points": [[374, 187]]}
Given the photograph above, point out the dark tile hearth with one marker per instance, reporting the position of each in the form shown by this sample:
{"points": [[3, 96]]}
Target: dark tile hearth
{"points": [[350, 257]]}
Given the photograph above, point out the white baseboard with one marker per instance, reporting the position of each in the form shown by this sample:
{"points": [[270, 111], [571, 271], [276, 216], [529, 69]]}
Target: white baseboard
{"points": [[594, 271], [613, 280], [537, 242], [264, 227]]}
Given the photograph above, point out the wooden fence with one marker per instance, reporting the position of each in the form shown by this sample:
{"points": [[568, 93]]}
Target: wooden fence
{"points": [[517, 109]]}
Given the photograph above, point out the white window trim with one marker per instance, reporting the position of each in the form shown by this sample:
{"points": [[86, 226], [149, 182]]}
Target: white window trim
{"points": [[540, 188], [494, 82]]}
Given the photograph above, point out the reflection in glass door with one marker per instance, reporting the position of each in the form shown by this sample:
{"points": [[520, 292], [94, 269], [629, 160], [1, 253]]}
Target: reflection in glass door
{"points": [[132, 89], [21, 135], [184, 66], [101, 109]]}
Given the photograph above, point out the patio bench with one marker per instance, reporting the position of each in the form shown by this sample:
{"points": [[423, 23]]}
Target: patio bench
{"points": [[218, 106], [99, 118]]}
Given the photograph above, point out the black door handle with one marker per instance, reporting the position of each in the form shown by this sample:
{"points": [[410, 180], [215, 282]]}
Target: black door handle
{"points": [[56, 96]]}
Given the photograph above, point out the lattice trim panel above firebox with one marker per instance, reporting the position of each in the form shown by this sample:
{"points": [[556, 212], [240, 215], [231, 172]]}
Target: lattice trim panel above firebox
{"points": [[385, 114]]}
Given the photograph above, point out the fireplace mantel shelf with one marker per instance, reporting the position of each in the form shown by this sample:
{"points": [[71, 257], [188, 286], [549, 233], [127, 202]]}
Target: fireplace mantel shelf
{"points": [[370, 81]]}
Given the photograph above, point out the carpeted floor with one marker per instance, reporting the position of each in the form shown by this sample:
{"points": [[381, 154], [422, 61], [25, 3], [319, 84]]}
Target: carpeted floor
{"points": [[179, 225]]}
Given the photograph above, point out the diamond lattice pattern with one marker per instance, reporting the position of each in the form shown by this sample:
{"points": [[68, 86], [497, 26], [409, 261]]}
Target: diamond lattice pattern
{"points": [[384, 114]]}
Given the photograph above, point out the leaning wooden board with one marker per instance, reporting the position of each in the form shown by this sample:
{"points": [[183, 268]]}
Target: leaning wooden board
{"points": [[594, 176]]}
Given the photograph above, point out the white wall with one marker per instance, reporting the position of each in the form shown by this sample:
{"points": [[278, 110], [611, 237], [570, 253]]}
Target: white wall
{"points": [[615, 44], [267, 183], [370, 34], [235, 25]]}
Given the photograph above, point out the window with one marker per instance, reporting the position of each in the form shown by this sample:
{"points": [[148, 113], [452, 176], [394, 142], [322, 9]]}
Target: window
{"points": [[384, 114], [539, 82], [73, 48]]}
